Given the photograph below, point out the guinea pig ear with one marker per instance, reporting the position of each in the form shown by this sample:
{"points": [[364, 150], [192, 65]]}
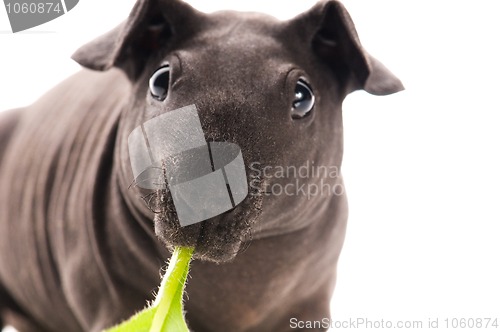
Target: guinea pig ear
{"points": [[150, 27], [335, 40]]}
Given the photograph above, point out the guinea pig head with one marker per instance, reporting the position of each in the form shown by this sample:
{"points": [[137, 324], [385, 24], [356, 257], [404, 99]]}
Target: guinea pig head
{"points": [[273, 89]]}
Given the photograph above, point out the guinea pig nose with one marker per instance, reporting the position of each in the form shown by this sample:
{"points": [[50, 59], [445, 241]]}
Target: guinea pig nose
{"points": [[158, 83]]}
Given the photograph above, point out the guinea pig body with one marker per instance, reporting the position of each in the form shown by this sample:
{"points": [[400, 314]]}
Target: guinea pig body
{"points": [[81, 243]]}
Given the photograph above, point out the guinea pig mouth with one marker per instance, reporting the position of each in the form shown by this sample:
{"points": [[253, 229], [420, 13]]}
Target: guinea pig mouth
{"points": [[218, 239]]}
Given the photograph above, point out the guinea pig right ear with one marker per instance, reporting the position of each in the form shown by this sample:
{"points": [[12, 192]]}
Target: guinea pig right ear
{"points": [[150, 28]]}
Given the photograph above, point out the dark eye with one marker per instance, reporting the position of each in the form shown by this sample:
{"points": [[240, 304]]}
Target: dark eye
{"points": [[303, 102], [158, 83]]}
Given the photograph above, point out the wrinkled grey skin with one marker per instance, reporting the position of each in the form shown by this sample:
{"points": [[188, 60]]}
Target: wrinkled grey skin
{"points": [[79, 249]]}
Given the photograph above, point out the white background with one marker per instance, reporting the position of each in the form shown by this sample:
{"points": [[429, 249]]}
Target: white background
{"points": [[422, 167]]}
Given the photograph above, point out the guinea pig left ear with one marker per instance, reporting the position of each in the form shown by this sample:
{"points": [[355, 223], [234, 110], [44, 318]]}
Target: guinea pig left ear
{"points": [[334, 39], [149, 28]]}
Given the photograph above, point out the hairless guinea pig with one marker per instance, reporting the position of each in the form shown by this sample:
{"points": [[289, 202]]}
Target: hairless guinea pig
{"points": [[81, 251]]}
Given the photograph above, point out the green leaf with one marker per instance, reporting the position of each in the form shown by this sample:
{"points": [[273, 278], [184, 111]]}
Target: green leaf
{"points": [[140, 322], [166, 313]]}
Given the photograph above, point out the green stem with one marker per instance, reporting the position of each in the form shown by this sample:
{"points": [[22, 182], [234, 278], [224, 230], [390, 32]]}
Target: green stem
{"points": [[169, 299], [166, 314]]}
